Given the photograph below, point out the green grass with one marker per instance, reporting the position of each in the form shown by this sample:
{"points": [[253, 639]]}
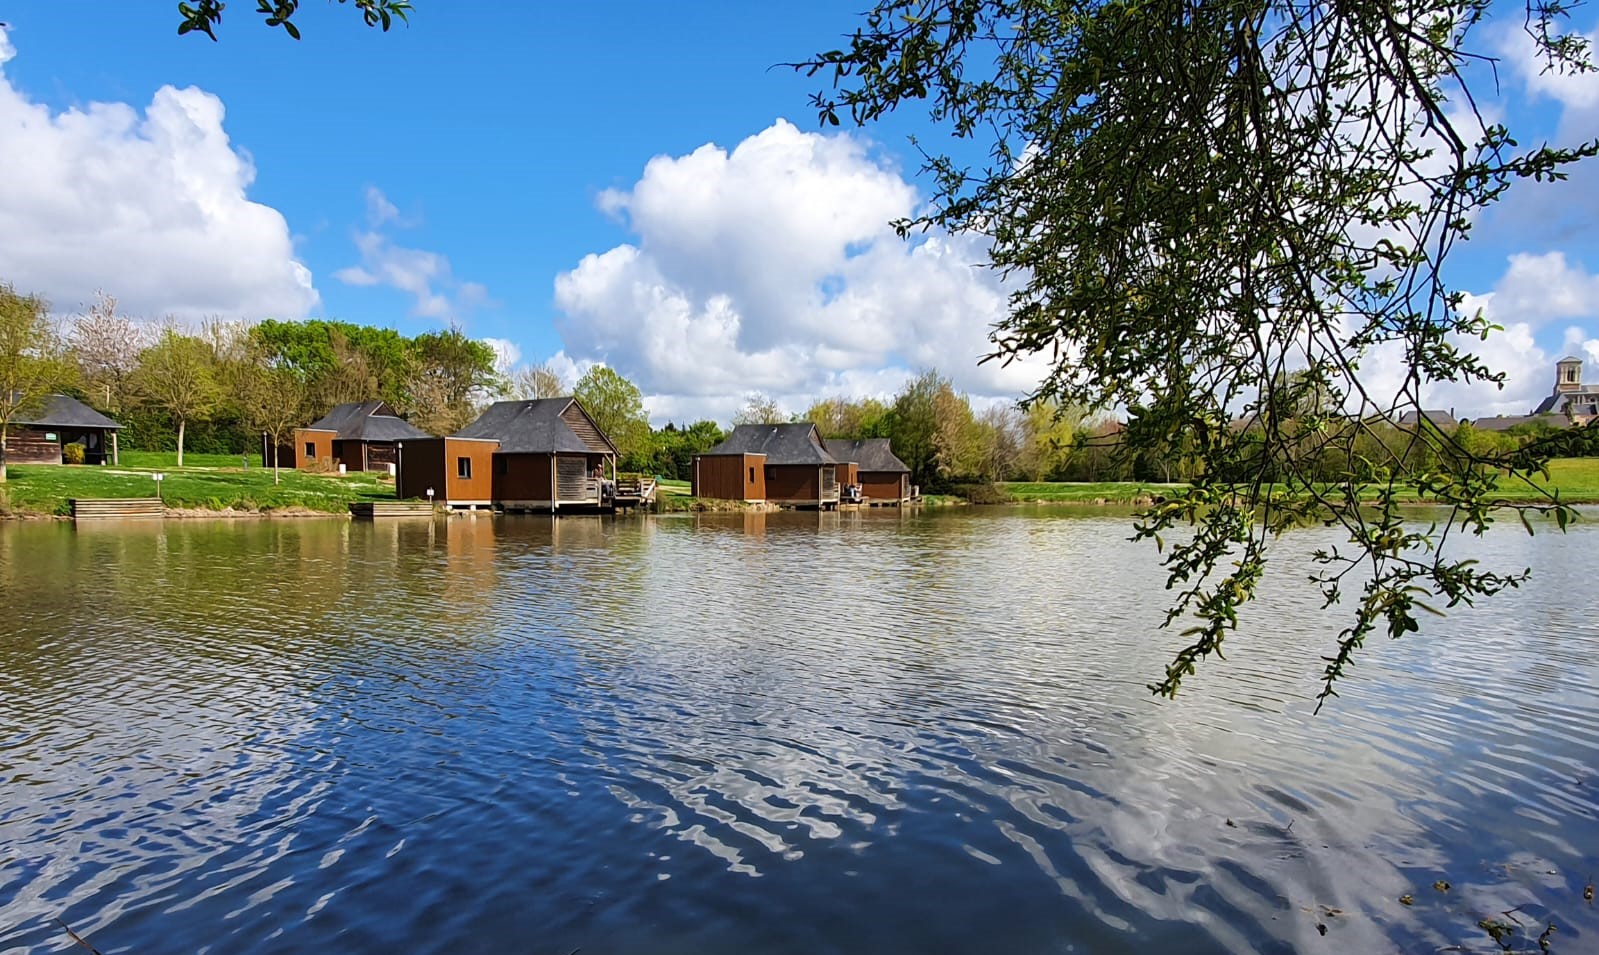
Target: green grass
{"points": [[1085, 492], [1577, 480], [49, 489], [169, 459]]}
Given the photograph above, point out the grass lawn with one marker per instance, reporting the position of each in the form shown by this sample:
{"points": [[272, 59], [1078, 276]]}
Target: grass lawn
{"points": [[48, 489], [1577, 479]]}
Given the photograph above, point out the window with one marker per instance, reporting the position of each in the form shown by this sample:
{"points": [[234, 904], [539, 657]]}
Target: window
{"points": [[463, 467], [752, 475], [310, 450]]}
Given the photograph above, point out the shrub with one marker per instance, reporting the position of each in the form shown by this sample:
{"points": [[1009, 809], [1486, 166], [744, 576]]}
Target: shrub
{"points": [[72, 453], [981, 493]]}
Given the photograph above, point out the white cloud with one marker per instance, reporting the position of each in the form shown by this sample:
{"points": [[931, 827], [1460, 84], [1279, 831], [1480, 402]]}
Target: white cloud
{"points": [[152, 208], [507, 354], [425, 276], [773, 268]]}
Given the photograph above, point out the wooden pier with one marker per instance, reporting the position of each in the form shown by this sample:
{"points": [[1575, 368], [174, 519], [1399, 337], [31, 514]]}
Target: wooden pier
{"points": [[118, 509], [372, 510], [632, 492]]}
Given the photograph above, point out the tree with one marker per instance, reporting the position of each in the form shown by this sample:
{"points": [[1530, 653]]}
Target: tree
{"points": [[1190, 200], [106, 346], [841, 418], [541, 381], [617, 406], [450, 376], [913, 426], [177, 375], [271, 399], [1048, 434], [33, 360], [760, 409], [204, 16]]}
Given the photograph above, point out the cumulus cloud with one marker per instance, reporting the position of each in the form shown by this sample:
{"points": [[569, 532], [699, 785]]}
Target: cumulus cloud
{"points": [[425, 276], [151, 207], [773, 268]]}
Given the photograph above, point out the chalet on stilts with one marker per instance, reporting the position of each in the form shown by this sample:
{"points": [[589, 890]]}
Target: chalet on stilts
{"points": [[60, 421], [538, 455], [360, 435], [882, 477], [783, 464]]}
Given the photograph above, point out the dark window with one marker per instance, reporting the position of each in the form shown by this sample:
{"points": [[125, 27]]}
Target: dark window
{"points": [[499, 464], [310, 450], [752, 475], [463, 467]]}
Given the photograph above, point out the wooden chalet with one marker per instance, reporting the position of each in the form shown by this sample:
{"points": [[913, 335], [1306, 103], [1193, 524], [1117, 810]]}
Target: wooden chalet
{"points": [[872, 464], [38, 438], [774, 463], [360, 435], [539, 455]]}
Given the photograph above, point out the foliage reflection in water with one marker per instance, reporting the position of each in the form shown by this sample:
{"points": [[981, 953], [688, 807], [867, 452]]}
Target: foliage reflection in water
{"points": [[856, 732]]}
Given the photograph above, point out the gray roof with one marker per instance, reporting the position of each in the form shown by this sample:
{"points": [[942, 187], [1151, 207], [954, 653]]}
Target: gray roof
{"points": [[1580, 402], [536, 426], [781, 443], [367, 421], [1508, 421], [59, 411], [1569, 358], [1442, 420], [869, 454]]}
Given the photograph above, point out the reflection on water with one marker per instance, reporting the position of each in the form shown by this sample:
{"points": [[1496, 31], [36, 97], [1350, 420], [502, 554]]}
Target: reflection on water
{"points": [[865, 731]]}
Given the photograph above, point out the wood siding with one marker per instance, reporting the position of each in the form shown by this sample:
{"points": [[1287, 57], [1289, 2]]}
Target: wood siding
{"points": [[522, 480], [885, 485], [26, 444], [479, 488], [848, 472], [793, 483], [730, 477], [586, 430], [319, 442]]}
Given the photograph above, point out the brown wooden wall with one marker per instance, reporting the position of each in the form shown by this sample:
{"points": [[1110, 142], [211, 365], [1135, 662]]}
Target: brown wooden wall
{"points": [[522, 478], [727, 477], [793, 482], [480, 486], [885, 485], [848, 472], [26, 444], [421, 467], [379, 455], [321, 442]]}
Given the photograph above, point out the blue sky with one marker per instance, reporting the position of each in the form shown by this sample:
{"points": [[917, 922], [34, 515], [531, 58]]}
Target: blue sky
{"points": [[492, 164]]}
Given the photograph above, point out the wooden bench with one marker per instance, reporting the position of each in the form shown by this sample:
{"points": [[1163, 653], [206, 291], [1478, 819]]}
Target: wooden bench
{"points": [[115, 509]]}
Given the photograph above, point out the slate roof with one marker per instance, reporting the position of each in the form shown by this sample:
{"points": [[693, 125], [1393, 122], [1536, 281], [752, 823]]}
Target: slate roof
{"points": [[59, 411], [781, 443], [533, 427], [1442, 420], [1582, 402], [367, 421], [869, 454]]}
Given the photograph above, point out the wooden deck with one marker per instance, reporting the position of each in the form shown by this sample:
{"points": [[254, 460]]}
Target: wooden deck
{"points": [[371, 510], [118, 509], [634, 492]]}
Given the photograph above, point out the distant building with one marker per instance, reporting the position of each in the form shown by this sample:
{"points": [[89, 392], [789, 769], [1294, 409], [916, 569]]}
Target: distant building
{"points": [[39, 438], [777, 463], [360, 435], [871, 463], [1572, 400]]}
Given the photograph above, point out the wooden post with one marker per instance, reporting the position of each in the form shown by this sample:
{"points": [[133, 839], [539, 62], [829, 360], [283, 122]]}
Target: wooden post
{"points": [[115, 458]]}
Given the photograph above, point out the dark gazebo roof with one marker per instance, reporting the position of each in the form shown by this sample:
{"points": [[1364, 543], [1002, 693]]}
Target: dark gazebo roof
{"points": [[60, 411], [869, 454], [781, 443], [537, 426], [367, 421]]}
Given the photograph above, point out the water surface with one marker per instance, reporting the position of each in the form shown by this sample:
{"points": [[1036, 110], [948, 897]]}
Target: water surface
{"points": [[790, 733]]}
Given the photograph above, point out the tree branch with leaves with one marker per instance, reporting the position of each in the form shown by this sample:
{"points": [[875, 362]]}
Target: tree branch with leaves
{"points": [[1214, 210]]}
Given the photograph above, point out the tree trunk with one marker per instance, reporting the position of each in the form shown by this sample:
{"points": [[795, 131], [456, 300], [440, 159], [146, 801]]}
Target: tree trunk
{"points": [[275, 444], [3, 429], [181, 423]]}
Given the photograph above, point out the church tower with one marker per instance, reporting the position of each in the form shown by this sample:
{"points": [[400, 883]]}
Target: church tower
{"points": [[1568, 375]]}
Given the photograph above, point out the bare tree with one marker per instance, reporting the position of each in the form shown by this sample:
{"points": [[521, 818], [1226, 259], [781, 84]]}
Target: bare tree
{"points": [[760, 409], [541, 381]]}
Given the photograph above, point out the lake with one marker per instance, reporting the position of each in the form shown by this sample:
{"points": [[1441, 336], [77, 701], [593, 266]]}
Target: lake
{"points": [[806, 733]]}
